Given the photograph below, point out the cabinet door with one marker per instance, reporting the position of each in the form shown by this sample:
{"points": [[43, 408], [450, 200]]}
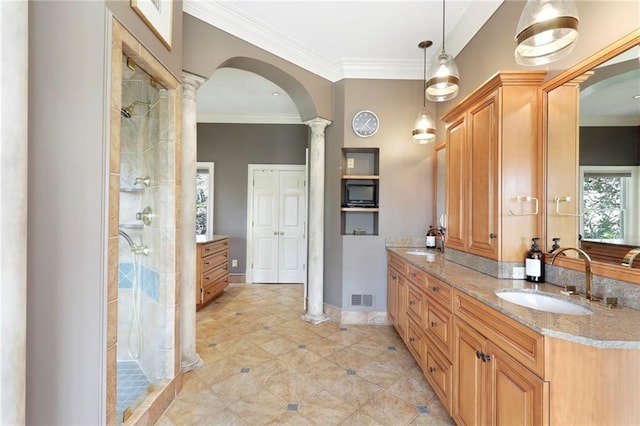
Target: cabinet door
{"points": [[468, 376], [392, 295], [484, 166], [517, 396], [403, 306], [455, 183]]}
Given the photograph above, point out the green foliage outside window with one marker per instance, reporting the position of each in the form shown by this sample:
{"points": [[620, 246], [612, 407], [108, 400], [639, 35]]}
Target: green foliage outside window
{"points": [[603, 207]]}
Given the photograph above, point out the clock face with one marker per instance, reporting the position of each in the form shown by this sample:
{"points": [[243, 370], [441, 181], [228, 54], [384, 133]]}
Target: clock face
{"points": [[365, 123]]}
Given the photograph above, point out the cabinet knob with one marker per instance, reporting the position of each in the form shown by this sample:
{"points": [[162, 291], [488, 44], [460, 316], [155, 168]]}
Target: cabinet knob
{"points": [[394, 277], [479, 354], [432, 369], [435, 289], [411, 339], [492, 235], [411, 302], [434, 324]]}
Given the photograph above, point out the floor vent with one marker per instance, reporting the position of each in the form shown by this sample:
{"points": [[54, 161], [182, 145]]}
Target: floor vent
{"points": [[362, 300]]}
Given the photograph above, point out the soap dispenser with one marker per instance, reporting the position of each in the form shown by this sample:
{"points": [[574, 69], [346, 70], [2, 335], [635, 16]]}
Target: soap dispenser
{"points": [[534, 263], [430, 238]]}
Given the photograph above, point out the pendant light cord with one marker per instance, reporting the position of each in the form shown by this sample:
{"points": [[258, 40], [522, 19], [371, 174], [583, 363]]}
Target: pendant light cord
{"points": [[443, 20], [424, 78]]}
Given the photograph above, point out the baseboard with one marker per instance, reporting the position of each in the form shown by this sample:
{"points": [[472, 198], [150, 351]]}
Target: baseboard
{"points": [[356, 317]]}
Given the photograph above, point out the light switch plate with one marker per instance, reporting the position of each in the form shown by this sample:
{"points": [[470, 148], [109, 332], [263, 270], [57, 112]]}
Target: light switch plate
{"points": [[350, 163], [234, 263]]}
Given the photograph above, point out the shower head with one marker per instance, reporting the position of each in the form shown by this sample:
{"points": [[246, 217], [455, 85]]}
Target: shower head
{"points": [[127, 111]]}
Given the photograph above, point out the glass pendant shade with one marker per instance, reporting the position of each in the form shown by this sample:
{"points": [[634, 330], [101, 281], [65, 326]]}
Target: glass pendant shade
{"points": [[424, 130], [442, 84], [547, 31]]}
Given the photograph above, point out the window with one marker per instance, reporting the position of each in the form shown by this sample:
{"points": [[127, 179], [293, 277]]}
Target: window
{"points": [[607, 202], [204, 201]]}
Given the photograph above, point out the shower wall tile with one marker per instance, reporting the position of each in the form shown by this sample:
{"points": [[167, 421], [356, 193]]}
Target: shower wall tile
{"points": [[115, 141], [111, 385], [112, 323]]}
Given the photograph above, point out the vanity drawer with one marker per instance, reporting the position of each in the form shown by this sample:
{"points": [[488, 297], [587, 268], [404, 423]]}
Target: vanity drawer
{"points": [[214, 247], [213, 260], [215, 274], [416, 341], [397, 262], [439, 323], [417, 276], [439, 372], [439, 291], [416, 306]]}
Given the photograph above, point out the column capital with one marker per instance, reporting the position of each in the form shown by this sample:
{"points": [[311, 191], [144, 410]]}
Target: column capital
{"points": [[318, 123], [191, 83]]}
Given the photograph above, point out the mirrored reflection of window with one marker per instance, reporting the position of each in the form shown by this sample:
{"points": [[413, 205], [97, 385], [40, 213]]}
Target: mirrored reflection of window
{"points": [[204, 200], [607, 203]]}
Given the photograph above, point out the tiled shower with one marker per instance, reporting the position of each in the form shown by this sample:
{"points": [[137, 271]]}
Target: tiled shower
{"points": [[145, 323]]}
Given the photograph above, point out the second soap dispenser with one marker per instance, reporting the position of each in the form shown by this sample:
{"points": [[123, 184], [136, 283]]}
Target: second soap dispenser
{"points": [[534, 263]]}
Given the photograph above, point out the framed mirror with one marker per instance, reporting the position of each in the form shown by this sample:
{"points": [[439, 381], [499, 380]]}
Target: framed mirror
{"points": [[592, 150]]}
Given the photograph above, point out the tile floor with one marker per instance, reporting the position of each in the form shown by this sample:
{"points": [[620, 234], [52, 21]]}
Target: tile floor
{"points": [[265, 366]]}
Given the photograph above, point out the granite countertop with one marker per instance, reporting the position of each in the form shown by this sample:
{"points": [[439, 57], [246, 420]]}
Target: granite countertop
{"points": [[203, 239], [605, 328]]}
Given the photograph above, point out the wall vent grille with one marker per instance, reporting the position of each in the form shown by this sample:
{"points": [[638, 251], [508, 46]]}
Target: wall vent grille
{"points": [[362, 300]]}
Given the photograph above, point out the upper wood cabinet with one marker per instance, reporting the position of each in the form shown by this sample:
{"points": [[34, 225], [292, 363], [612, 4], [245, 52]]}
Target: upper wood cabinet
{"points": [[494, 161]]}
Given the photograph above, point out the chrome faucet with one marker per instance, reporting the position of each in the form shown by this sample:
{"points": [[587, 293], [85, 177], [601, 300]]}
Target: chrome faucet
{"points": [[630, 256], [587, 268]]}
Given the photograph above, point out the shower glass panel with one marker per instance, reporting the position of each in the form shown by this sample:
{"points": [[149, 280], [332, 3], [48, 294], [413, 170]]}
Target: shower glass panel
{"points": [[142, 322]]}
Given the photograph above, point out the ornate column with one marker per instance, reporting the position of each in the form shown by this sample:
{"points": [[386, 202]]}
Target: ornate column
{"points": [[315, 307], [14, 28], [190, 360]]}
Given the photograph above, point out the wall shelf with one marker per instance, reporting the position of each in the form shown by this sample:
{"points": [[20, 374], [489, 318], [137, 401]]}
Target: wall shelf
{"points": [[359, 167]]}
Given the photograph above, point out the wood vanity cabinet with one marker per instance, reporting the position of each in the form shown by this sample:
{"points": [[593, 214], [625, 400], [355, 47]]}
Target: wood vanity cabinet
{"points": [[493, 382], [492, 159], [212, 270], [419, 306]]}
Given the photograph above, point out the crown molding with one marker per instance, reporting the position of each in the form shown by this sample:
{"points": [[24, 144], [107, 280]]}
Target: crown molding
{"points": [[248, 119], [234, 21], [230, 19]]}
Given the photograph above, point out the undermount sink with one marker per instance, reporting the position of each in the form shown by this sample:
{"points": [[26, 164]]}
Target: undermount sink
{"points": [[418, 252], [543, 302]]}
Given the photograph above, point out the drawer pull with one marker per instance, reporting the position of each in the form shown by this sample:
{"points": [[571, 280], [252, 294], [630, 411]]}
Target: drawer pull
{"points": [[411, 302], [434, 324], [479, 354], [413, 274], [492, 236], [435, 288], [432, 369]]}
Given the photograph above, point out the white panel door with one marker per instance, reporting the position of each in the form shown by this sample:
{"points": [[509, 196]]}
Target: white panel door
{"points": [[265, 226], [279, 212], [291, 227]]}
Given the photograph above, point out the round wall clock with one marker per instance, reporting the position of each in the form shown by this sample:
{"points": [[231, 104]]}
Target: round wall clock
{"points": [[365, 123]]}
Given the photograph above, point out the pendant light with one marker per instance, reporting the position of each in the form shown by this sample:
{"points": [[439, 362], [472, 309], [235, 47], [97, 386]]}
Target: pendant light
{"points": [[547, 31], [443, 75], [424, 130]]}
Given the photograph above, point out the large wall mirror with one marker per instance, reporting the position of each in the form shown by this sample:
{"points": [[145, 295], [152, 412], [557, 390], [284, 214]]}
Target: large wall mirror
{"points": [[592, 141]]}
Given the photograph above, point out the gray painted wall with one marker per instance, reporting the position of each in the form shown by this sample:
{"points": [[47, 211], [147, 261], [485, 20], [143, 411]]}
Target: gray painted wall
{"points": [[406, 185], [232, 147], [604, 146], [66, 243]]}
